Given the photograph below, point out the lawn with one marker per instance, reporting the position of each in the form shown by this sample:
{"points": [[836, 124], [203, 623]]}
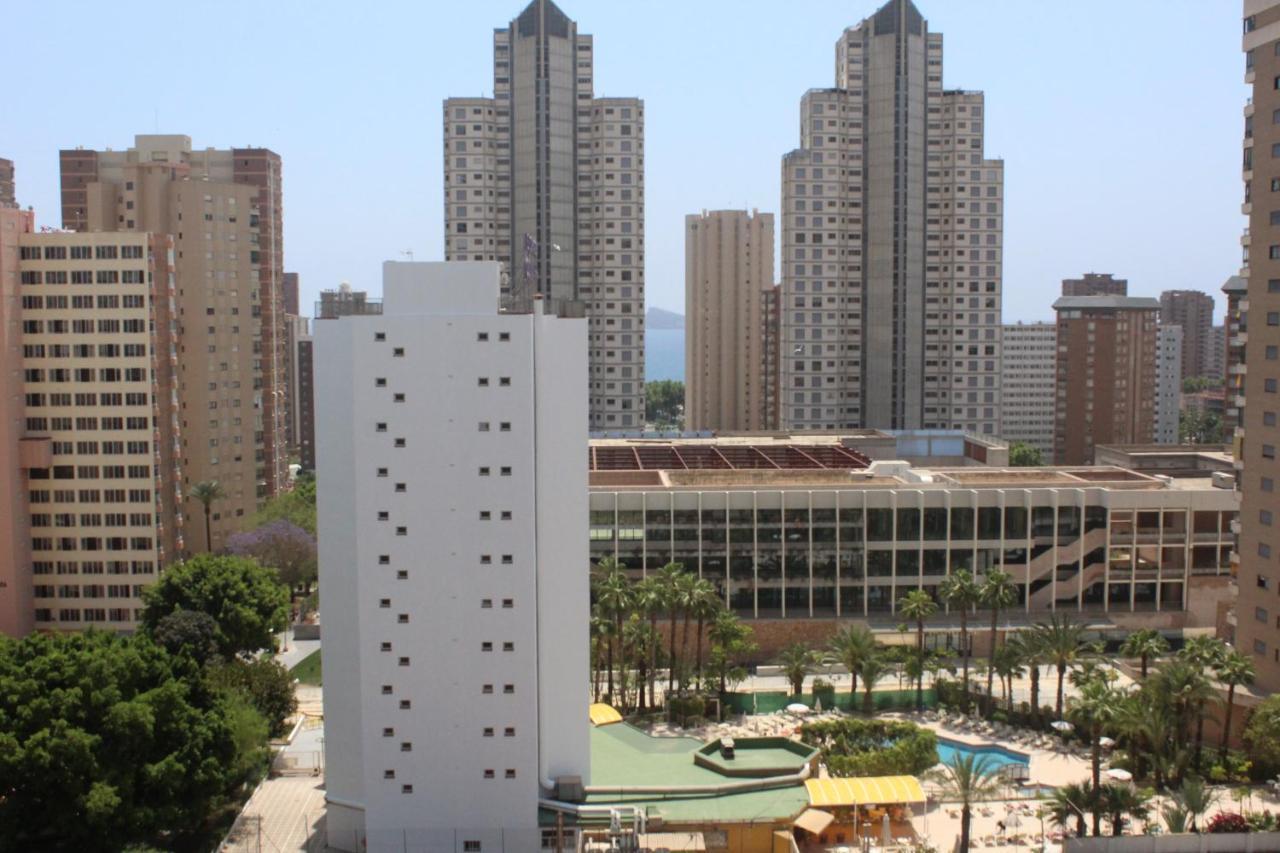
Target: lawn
{"points": [[308, 669]]}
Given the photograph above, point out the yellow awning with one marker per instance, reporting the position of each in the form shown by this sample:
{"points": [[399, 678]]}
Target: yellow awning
{"points": [[864, 790], [602, 714], [814, 821]]}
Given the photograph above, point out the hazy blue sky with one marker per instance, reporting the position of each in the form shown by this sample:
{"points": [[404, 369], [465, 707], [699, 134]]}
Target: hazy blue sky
{"points": [[1119, 120]]}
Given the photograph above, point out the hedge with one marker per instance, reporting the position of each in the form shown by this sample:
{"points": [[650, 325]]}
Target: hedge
{"points": [[857, 747]]}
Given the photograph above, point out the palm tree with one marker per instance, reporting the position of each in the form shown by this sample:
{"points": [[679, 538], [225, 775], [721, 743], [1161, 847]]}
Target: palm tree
{"points": [[1175, 816], [1062, 641], [962, 593], [872, 668], [919, 606], [613, 594], [1182, 685], [1032, 654], [705, 605], [1120, 800], [1093, 709], [1203, 651], [691, 588], [851, 646], [647, 598], [207, 492], [669, 580], [997, 593], [639, 637], [1197, 798], [796, 660], [731, 638], [1009, 665], [600, 627], [1234, 670], [969, 779], [1068, 801], [1145, 644]]}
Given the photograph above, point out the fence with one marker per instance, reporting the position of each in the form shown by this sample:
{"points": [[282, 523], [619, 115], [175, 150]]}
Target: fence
{"points": [[769, 702]]}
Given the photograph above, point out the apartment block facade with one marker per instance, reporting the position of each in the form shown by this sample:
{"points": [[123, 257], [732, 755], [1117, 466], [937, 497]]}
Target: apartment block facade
{"points": [[1192, 310], [8, 196], [456, 528], [1095, 284], [1235, 332], [224, 209], [892, 224], [99, 358], [1169, 354], [1258, 433], [548, 179], [1027, 371], [728, 263], [1105, 392]]}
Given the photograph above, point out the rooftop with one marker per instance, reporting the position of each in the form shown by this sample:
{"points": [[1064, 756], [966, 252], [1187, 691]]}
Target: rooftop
{"points": [[1126, 303]]}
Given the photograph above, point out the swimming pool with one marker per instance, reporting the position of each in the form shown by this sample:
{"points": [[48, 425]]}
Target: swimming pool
{"points": [[997, 756]]}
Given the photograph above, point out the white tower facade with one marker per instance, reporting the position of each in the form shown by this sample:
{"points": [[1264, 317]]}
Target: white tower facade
{"points": [[452, 524], [1169, 354]]}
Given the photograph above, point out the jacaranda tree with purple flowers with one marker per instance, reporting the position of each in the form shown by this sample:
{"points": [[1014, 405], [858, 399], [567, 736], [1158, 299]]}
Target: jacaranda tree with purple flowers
{"points": [[283, 546]]}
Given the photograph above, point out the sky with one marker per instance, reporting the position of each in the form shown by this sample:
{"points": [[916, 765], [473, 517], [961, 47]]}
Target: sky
{"points": [[1119, 123]]}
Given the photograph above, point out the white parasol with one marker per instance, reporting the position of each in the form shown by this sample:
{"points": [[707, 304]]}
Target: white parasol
{"points": [[798, 708], [1106, 742], [1119, 774], [1061, 726]]}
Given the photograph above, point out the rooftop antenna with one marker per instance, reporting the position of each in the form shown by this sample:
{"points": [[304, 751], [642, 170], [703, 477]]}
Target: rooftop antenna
{"points": [[408, 253]]}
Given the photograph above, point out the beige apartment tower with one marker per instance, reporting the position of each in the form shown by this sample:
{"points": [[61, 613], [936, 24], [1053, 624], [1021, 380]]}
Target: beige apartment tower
{"points": [[1193, 311], [224, 211], [549, 180], [1106, 374], [1258, 436], [728, 284], [892, 224], [101, 426], [1095, 284]]}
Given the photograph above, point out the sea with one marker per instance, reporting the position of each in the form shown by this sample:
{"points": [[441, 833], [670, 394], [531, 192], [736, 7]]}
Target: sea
{"points": [[664, 354]]}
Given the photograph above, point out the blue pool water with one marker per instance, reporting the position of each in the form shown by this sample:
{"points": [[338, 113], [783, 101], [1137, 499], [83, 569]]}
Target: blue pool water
{"points": [[996, 755]]}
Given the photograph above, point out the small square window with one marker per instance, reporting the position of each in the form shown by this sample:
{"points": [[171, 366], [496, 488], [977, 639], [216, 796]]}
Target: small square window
{"points": [[505, 426], [402, 531], [387, 690], [381, 426], [397, 398], [404, 661], [485, 515], [382, 472], [379, 336], [508, 603], [486, 603], [504, 381], [400, 442], [398, 352], [483, 381], [386, 647], [508, 688], [401, 487], [388, 774], [486, 559], [488, 774], [406, 746], [406, 789], [380, 382], [388, 732], [482, 336], [484, 471], [402, 574], [511, 773], [383, 515], [384, 559], [488, 731], [484, 426], [509, 731], [384, 603], [507, 559], [505, 470], [470, 847], [508, 647], [504, 336], [406, 705], [506, 515], [487, 688], [402, 618]]}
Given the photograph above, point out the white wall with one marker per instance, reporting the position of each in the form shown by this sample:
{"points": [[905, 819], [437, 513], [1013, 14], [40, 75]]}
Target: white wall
{"points": [[433, 494]]}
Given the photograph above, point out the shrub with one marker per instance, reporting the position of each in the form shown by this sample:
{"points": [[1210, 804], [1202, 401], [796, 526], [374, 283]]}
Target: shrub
{"points": [[683, 708], [856, 747], [1227, 822]]}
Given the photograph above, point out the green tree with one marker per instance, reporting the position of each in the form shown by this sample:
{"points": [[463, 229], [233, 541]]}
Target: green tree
{"points": [[265, 684], [1010, 664], [648, 601], [612, 592], [1262, 733], [969, 779], [247, 601], [664, 403], [1199, 426], [105, 741], [997, 593], [731, 642], [208, 493], [704, 607], [1234, 670], [1092, 710], [296, 506], [1117, 801], [1145, 644], [1068, 802], [1063, 643], [918, 606], [1197, 798], [188, 632], [1023, 455], [960, 592], [796, 661], [851, 646], [671, 581], [1183, 686], [873, 667]]}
